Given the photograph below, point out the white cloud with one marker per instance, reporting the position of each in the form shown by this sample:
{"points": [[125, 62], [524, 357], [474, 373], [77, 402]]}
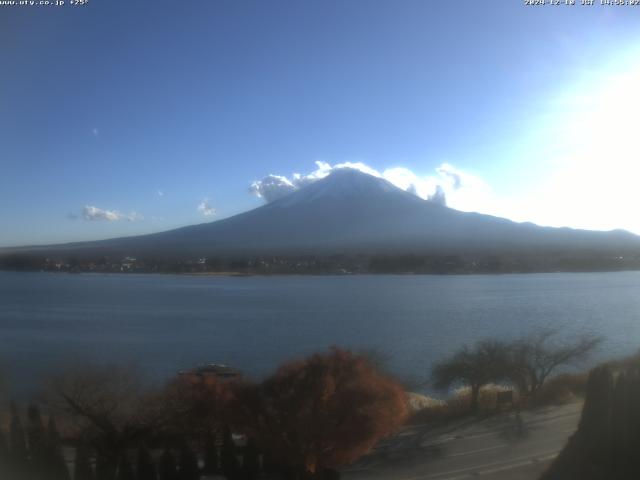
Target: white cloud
{"points": [[92, 213], [94, 131], [272, 187], [206, 209], [447, 185], [160, 193]]}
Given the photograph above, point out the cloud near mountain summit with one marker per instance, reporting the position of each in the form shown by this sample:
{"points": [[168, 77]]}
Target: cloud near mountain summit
{"points": [[448, 186]]}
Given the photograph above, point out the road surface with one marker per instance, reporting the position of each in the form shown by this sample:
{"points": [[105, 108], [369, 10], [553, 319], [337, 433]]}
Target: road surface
{"points": [[498, 448]]}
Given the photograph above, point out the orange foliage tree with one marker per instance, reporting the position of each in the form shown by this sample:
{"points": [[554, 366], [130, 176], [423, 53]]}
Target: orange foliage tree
{"points": [[322, 412], [197, 407]]}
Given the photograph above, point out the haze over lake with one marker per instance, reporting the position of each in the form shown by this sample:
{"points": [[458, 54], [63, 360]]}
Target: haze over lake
{"points": [[166, 323]]}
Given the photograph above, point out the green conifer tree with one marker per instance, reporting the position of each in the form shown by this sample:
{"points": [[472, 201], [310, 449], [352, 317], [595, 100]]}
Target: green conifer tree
{"points": [[82, 469], [4, 456], [125, 470], [188, 464], [210, 456], [251, 463], [145, 467], [17, 442], [167, 468], [55, 461], [228, 459], [36, 437], [106, 466]]}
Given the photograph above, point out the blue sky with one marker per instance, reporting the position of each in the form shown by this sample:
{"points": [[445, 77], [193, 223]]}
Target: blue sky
{"points": [[122, 117]]}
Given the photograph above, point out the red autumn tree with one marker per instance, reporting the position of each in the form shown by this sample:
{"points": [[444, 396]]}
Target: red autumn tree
{"points": [[198, 407], [324, 411]]}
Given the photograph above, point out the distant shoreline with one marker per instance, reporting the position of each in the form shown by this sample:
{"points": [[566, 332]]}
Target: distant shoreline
{"points": [[316, 274]]}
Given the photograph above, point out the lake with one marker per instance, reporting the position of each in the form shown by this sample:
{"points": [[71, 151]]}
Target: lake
{"points": [[165, 323]]}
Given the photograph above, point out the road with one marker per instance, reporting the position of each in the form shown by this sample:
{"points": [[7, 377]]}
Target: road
{"points": [[497, 448]]}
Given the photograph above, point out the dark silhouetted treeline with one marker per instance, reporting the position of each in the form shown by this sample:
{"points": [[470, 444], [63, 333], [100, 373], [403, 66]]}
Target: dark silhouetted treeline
{"points": [[328, 264], [31, 449]]}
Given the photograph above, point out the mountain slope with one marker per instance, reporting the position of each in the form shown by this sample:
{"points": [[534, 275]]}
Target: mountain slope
{"points": [[352, 212]]}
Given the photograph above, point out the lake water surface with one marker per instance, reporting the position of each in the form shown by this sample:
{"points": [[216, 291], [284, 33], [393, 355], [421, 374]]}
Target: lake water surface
{"points": [[165, 323]]}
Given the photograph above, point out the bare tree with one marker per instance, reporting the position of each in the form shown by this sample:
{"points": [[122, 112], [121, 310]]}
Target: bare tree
{"points": [[107, 405], [535, 357], [484, 363]]}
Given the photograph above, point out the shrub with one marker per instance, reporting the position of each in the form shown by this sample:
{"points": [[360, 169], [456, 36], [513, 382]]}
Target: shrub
{"points": [[559, 390]]}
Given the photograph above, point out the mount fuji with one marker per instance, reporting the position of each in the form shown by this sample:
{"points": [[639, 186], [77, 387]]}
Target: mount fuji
{"points": [[352, 212]]}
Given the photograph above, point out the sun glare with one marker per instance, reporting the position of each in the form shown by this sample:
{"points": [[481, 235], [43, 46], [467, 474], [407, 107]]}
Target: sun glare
{"points": [[595, 179]]}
